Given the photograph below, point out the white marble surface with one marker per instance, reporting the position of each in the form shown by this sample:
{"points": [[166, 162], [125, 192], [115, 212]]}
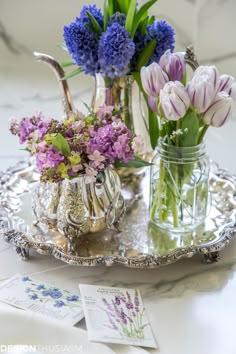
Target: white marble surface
{"points": [[191, 305]]}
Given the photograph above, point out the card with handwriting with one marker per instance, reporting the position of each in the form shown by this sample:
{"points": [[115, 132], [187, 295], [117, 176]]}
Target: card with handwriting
{"points": [[116, 315], [28, 294]]}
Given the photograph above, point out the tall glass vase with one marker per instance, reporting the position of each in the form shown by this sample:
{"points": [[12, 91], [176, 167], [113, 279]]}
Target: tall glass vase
{"points": [[124, 91]]}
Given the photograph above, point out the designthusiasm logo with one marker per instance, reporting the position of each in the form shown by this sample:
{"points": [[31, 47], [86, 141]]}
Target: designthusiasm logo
{"points": [[39, 348]]}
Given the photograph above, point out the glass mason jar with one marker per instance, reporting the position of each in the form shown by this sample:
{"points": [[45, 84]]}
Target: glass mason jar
{"points": [[179, 187]]}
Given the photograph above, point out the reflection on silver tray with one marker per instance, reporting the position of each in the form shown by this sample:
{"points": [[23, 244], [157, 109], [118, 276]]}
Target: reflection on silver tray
{"points": [[140, 244]]}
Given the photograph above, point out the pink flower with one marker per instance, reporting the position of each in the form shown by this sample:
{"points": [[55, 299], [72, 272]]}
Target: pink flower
{"points": [[97, 159], [90, 175], [174, 65], [153, 79], [174, 100], [220, 110]]}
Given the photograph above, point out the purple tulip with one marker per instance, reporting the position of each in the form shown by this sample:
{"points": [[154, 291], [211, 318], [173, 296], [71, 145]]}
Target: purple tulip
{"points": [[174, 100], [202, 92], [152, 102], [173, 64], [153, 79], [220, 110], [211, 72], [228, 85]]}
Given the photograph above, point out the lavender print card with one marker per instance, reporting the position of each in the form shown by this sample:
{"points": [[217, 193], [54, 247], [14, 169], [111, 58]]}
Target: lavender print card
{"points": [[28, 294], [115, 315]]}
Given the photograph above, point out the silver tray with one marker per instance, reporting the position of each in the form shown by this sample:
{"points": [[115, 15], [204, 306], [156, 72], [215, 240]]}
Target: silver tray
{"points": [[140, 244]]}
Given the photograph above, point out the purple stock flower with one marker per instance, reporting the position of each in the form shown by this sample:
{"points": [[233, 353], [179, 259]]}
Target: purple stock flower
{"points": [[164, 34], [48, 159], [34, 297], [116, 49], [112, 141]]}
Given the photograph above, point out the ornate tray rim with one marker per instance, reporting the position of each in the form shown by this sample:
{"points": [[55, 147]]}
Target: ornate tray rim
{"points": [[209, 250]]}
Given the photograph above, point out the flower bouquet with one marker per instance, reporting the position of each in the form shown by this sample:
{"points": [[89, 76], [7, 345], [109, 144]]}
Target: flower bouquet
{"points": [[80, 189], [114, 45], [185, 110]]}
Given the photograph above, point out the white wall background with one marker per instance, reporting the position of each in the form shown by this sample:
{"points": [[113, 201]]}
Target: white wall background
{"points": [[37, 25]]}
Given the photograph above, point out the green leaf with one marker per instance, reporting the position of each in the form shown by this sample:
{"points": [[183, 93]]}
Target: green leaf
{"points": [[116, 6], [73, 73], [60, 143], [62, 46], [153, 128], [130, 15], [124, 5], [139, 16], [143, 25], [95, 25], [190, 122], [146, 54], [137, 162], [151, 20], [105, 13], [66, 63]]}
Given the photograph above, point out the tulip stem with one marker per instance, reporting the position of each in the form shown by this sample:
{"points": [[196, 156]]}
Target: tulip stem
{"points": [[202, 133]]}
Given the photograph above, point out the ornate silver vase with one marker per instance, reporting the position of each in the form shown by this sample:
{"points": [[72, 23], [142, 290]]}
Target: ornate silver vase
{"points": [[75, 208]]}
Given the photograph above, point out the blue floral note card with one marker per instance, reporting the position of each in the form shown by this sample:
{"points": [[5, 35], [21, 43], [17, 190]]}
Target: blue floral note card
{"points": [[116, 315], [25, 293]]}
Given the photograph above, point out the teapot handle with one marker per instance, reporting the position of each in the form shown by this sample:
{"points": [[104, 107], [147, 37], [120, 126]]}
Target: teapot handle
{"points": [[55, 66]]}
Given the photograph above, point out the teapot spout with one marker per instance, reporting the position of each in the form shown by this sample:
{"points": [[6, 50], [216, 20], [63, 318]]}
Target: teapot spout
{"points": [[59, 72]]}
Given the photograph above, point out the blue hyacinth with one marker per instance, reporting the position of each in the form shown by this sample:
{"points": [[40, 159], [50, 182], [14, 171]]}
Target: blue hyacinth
{"points": [[116, 49], [164, 35], [119, 18], [82, 44], [97, 14]]}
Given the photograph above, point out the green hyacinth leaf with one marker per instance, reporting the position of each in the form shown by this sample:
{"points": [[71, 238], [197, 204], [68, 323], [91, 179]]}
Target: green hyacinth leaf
{"points": [[73, 73], [146, 54], [67, 63], [60, 143], [62, 46], [95, 25], [130, 16], [142, 12], [124, 5]]}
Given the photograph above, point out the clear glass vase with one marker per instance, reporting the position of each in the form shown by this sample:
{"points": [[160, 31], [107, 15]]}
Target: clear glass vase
{"points": [[124, 91], [179, 187], [75, 208]]}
